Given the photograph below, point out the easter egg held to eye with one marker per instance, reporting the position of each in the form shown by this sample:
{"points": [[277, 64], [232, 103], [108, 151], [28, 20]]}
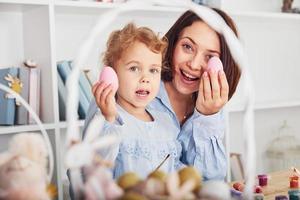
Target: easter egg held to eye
{"points": [[109, 76], [215, 64]]}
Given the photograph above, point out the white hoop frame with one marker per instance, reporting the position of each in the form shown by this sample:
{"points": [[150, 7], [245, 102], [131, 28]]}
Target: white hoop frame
{"points": [[39, 123]]}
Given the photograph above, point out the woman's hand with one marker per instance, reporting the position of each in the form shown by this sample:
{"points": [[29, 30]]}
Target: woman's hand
{"points": [[213, 92], [105, 99]]}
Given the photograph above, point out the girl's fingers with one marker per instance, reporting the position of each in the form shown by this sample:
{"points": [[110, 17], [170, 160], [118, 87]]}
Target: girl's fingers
{"points": [[104, 94], [110, 97], [98, 92], [224, 86], [94, 87]]}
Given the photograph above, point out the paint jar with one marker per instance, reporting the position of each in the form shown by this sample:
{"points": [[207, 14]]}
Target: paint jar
{"points": [[294, 194], [262, 180], [294, 182], [281, 197], [258, 197]]}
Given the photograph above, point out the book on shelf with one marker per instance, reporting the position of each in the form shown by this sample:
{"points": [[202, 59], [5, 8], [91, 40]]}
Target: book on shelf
{"points": [[9, 78], [90, 76], [84, 84], [34, 92], [21, 111], [64, 69], [62, 98]]}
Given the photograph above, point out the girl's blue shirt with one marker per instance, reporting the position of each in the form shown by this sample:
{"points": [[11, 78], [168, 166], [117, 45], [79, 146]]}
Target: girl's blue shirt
{"points": [[143, 145], [201, 139]]}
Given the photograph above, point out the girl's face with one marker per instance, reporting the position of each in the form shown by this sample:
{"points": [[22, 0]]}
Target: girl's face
{"points": [[138, 72], [196, 45]]}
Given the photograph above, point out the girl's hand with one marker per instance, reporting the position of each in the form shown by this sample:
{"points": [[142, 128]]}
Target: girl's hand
{"points": [[105, 99], [213, 92]]}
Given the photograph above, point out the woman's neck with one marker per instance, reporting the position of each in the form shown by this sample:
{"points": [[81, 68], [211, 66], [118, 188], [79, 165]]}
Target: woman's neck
{"points": [[182, 104], [175, 95]]}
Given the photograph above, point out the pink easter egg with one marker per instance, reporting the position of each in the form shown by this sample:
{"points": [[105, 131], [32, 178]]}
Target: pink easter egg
{"points": [[214, 63], [109, 76]]}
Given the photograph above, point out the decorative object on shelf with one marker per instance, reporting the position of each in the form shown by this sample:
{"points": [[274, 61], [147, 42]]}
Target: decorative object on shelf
{"points": [[73, 137], [288, 8], [15, 84], [30, 63], [284, 150]]}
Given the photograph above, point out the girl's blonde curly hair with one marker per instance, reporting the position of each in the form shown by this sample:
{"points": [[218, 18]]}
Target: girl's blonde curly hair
{"points": [[120, 40]]}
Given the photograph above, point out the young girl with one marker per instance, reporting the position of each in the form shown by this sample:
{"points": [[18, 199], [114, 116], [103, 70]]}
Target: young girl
{"points": [[147, 136]]}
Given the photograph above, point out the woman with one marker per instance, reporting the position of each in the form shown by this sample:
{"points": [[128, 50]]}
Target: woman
{"points": [[192, 96]]}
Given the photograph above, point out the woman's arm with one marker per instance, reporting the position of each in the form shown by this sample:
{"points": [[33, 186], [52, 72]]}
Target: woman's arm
{"points": [[202, 142]]}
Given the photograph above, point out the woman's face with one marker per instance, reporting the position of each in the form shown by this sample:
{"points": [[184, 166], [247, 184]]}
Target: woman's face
{"points": [[196, 45]]}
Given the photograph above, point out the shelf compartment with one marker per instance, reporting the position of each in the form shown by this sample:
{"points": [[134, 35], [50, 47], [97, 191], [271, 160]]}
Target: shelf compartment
{"points": [[25, 35]]}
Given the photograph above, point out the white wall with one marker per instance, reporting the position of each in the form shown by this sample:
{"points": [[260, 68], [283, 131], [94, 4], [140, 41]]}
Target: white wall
{"points": [[267, 124], [272, 44]]}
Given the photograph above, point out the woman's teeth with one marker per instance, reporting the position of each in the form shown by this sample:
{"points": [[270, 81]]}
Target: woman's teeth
{"points": [[188, 77]]}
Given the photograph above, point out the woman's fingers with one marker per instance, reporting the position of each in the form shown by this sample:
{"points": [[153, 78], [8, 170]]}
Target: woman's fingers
{"points": [[201, 91], [224, 86], [213, 92], [215, 86], [206, 87]]}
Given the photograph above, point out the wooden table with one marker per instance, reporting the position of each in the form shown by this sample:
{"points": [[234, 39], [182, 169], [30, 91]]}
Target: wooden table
{"points": [[278, 184]]}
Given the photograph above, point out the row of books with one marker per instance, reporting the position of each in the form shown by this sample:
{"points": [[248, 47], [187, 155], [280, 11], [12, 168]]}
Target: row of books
{"points": [[64, 68], [26, 82]]}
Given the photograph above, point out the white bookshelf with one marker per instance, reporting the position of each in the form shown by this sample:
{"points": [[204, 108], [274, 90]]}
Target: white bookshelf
{"points": [[52, 30]]}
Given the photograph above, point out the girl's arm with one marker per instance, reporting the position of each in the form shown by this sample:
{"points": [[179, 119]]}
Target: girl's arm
{"points": [[110, 153]]}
